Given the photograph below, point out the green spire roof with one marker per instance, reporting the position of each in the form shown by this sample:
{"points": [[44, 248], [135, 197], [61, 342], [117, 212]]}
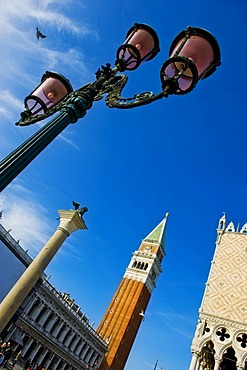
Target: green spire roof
{"points": [[158, 234]]}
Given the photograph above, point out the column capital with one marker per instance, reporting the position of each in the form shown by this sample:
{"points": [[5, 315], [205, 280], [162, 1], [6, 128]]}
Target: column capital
{"points": [[70, 221], [217, 359], [240, 366]]}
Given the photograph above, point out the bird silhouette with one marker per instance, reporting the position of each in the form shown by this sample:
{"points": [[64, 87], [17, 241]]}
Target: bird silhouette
{"points": [[39, 34], [81, 210], [76, 205], [141, 313]]}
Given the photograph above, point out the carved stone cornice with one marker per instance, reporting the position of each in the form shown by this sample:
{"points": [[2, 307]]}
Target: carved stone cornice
{"points": [[214, 319]]}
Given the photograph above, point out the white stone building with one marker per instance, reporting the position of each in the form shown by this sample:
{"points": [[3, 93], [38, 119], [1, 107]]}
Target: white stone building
{"points": [[49, 327], [220, 340]]}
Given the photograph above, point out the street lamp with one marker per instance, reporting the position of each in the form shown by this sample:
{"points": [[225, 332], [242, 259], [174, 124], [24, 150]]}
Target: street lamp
{"points": [[194, 55]]}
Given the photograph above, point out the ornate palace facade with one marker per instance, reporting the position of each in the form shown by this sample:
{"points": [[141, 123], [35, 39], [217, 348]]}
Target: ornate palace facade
{"points": [[220, 341]]}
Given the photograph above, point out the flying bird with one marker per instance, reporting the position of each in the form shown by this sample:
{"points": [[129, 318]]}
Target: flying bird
{"points": [[39, 34], [141, 313]]}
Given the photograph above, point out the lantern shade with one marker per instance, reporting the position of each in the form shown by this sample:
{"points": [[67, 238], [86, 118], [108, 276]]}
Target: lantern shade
{"points": [[53, 88], [194, 55], [199, 46], [180, 74], [141, 44]]}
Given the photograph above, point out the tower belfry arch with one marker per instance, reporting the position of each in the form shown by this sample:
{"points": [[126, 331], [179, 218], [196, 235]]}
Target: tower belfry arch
{"points": [[220, 340]]}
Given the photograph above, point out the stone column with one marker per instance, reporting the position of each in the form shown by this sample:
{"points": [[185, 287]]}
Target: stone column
{"points": [[55, 363], [70, 340], [94, 357], [34, 350], [72, 348], [84, 353], [63, 335], [27, 346], [48, 361], [44, 316], [58, 364], [194, 361], [37, 311], [78, 350], [49, 323], [63, 366], [217, 362], [56, 327], [88, 356], [41, 358], [70, 221], [52, 323]]}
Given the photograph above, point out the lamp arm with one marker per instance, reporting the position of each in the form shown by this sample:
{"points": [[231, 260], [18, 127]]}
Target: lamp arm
{"points": [[89, 93], [115, 100], [107, 82]]}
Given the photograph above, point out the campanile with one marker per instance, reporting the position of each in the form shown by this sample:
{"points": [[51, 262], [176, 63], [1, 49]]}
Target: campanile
{"points": [[126, 311]]}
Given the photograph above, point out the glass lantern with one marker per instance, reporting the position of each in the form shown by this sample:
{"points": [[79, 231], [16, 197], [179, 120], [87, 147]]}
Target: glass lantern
{"points": [[194, 55], [52, 89], [141, 44]]}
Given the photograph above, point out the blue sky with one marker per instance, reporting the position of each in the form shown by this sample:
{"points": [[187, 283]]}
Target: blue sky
{"points": [[185, 155]]}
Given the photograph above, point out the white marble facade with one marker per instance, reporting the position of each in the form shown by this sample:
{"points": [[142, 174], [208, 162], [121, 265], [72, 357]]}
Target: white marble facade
{"points": [[220, 340]]}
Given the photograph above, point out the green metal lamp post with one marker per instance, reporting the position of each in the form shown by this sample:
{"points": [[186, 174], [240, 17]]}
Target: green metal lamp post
{"points": [[194, 55]]}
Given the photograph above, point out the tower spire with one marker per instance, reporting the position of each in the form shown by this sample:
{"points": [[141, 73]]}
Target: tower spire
{"points": [[157, 235]]}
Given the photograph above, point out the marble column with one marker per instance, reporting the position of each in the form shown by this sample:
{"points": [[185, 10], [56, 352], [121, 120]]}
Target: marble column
{"points": [[37, 310], [70, 221], [194, 361], [63, 335], [48, 361], [27, 346], [217, 362], [44, 316], [56, 327], [50, 322], [78, 350], [76, 341], [41, 358]]}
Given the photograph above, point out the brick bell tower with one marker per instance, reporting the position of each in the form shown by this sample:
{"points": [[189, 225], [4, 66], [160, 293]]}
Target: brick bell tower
{"points": [[220, 340], [125, 313]]}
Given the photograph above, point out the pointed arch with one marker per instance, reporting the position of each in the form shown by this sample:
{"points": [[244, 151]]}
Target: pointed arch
{"points": [[229, 359], [231, 228]]}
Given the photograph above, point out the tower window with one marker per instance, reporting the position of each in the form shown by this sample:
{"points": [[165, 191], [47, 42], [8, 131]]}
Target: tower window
{"points": [[134, 264]]}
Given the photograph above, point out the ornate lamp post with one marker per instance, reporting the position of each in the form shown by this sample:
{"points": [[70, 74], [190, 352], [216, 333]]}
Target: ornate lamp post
{"points": [[194, 55]]}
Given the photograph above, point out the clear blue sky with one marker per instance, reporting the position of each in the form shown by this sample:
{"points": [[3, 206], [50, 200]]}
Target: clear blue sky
{"points": [[185, 155]]}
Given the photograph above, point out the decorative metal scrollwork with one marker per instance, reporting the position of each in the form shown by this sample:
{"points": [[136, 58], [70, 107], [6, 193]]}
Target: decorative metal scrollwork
{"points": [[107, 82]]}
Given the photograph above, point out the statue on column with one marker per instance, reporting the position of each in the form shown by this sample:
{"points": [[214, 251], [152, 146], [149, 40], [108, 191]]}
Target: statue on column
{"points": [[81, 210]]}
